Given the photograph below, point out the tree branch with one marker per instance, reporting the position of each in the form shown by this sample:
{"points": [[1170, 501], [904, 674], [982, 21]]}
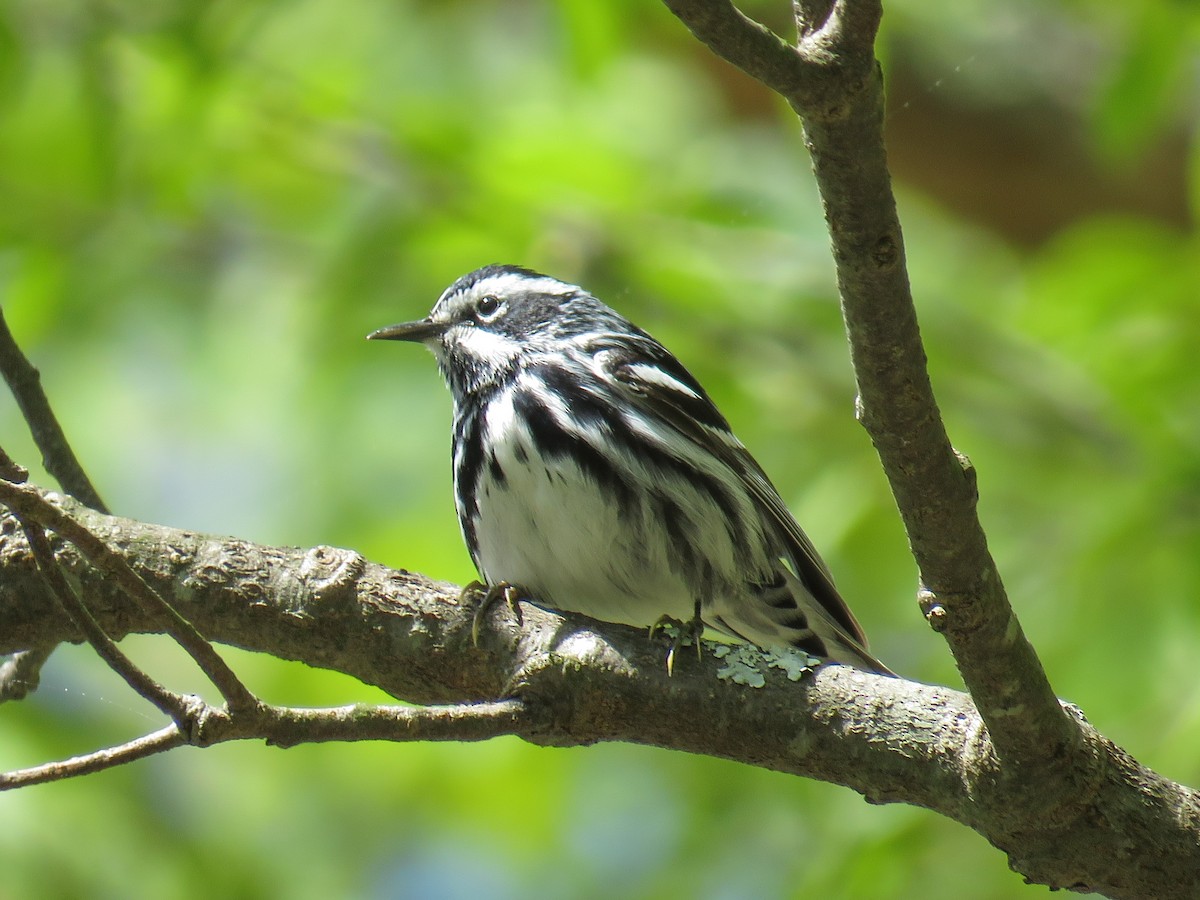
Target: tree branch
{"points": [[566, 680], [174, 705], [21, 672], [283, 726], [160, 741], [288, 726], [815, 82], [839, 97], [20, 675], [25, 382], [31, 506]]}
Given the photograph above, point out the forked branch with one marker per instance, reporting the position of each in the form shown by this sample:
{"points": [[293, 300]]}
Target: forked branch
{"points": [[838, 93]]}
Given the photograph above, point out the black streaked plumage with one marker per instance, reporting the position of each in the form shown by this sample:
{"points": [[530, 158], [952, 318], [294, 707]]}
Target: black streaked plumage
{"points": [[592, 469]]}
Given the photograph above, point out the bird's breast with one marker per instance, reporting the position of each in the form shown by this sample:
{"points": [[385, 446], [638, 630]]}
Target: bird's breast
{"points": [[552, 516]]}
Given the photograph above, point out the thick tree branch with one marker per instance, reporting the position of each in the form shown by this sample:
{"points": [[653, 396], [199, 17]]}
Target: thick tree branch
{"points": [[839, 97], [573, 681]]}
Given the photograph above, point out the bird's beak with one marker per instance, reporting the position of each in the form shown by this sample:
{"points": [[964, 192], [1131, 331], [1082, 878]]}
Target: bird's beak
{"points": [[418, 332]]}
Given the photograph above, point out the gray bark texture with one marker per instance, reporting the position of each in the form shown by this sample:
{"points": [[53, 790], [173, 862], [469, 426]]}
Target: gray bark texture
{"points": [[1096, 820]]}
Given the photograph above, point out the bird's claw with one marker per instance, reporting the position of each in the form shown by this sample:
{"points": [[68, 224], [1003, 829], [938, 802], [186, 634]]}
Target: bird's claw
{"points": [[681, 634], [491, 593]]}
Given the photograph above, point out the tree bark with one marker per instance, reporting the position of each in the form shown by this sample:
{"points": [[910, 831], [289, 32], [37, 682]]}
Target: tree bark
{"points": [[1108, 825]]}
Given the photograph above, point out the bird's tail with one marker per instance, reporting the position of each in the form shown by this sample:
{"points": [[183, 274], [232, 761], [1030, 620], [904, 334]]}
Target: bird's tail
{"points": [[848, 651], [840, 646]]}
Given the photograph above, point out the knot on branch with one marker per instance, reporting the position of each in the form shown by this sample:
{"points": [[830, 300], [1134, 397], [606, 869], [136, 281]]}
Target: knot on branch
{"points": [[886, 254], [969, 473], [935, 614], [329, 576], [199, 723]]}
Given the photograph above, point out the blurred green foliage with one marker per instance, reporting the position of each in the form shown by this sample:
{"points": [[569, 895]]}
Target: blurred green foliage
{"points": [[206, 206]]}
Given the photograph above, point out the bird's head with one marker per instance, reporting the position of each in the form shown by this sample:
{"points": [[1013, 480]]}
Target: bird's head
{"points": [[490, 320]]}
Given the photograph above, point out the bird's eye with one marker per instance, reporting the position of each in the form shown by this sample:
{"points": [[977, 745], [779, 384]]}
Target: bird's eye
{"points": [[489, 307]]}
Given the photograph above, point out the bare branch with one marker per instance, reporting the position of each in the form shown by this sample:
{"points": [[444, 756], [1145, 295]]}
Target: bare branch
{"points": [[57, 456], [840, 101], [29, 505], [21, 673], [174, 705], [817, 79], [577, 681], [189, 713], [738, 39], [288, 726], [10, 471], [164, 739]]}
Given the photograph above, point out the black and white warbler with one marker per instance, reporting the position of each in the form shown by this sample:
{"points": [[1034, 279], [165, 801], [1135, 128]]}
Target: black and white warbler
{"points": [[593, 471]]}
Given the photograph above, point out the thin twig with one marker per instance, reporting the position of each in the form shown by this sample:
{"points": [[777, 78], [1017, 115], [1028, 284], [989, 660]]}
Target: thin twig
{"points": [[287, 726], [29, 505], [164, 739], [57, 456], [10, 471], [174, 705]]}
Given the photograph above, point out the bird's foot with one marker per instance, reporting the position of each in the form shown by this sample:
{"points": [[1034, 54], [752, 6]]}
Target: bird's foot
{"points": [[681, 634], [490, 594]]}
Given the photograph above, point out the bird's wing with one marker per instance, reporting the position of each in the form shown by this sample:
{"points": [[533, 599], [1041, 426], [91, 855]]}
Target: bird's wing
{"points": [[656, 383]]}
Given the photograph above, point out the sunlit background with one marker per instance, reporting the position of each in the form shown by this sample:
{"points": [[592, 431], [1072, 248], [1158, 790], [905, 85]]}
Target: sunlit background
{"points": [[204, 207]]}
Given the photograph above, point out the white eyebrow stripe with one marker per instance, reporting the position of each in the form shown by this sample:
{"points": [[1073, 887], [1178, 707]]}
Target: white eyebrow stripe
{"points": [[507, 283]]}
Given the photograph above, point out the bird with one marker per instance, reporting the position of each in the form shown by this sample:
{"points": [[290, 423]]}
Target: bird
{"points": [[594, 474]]}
